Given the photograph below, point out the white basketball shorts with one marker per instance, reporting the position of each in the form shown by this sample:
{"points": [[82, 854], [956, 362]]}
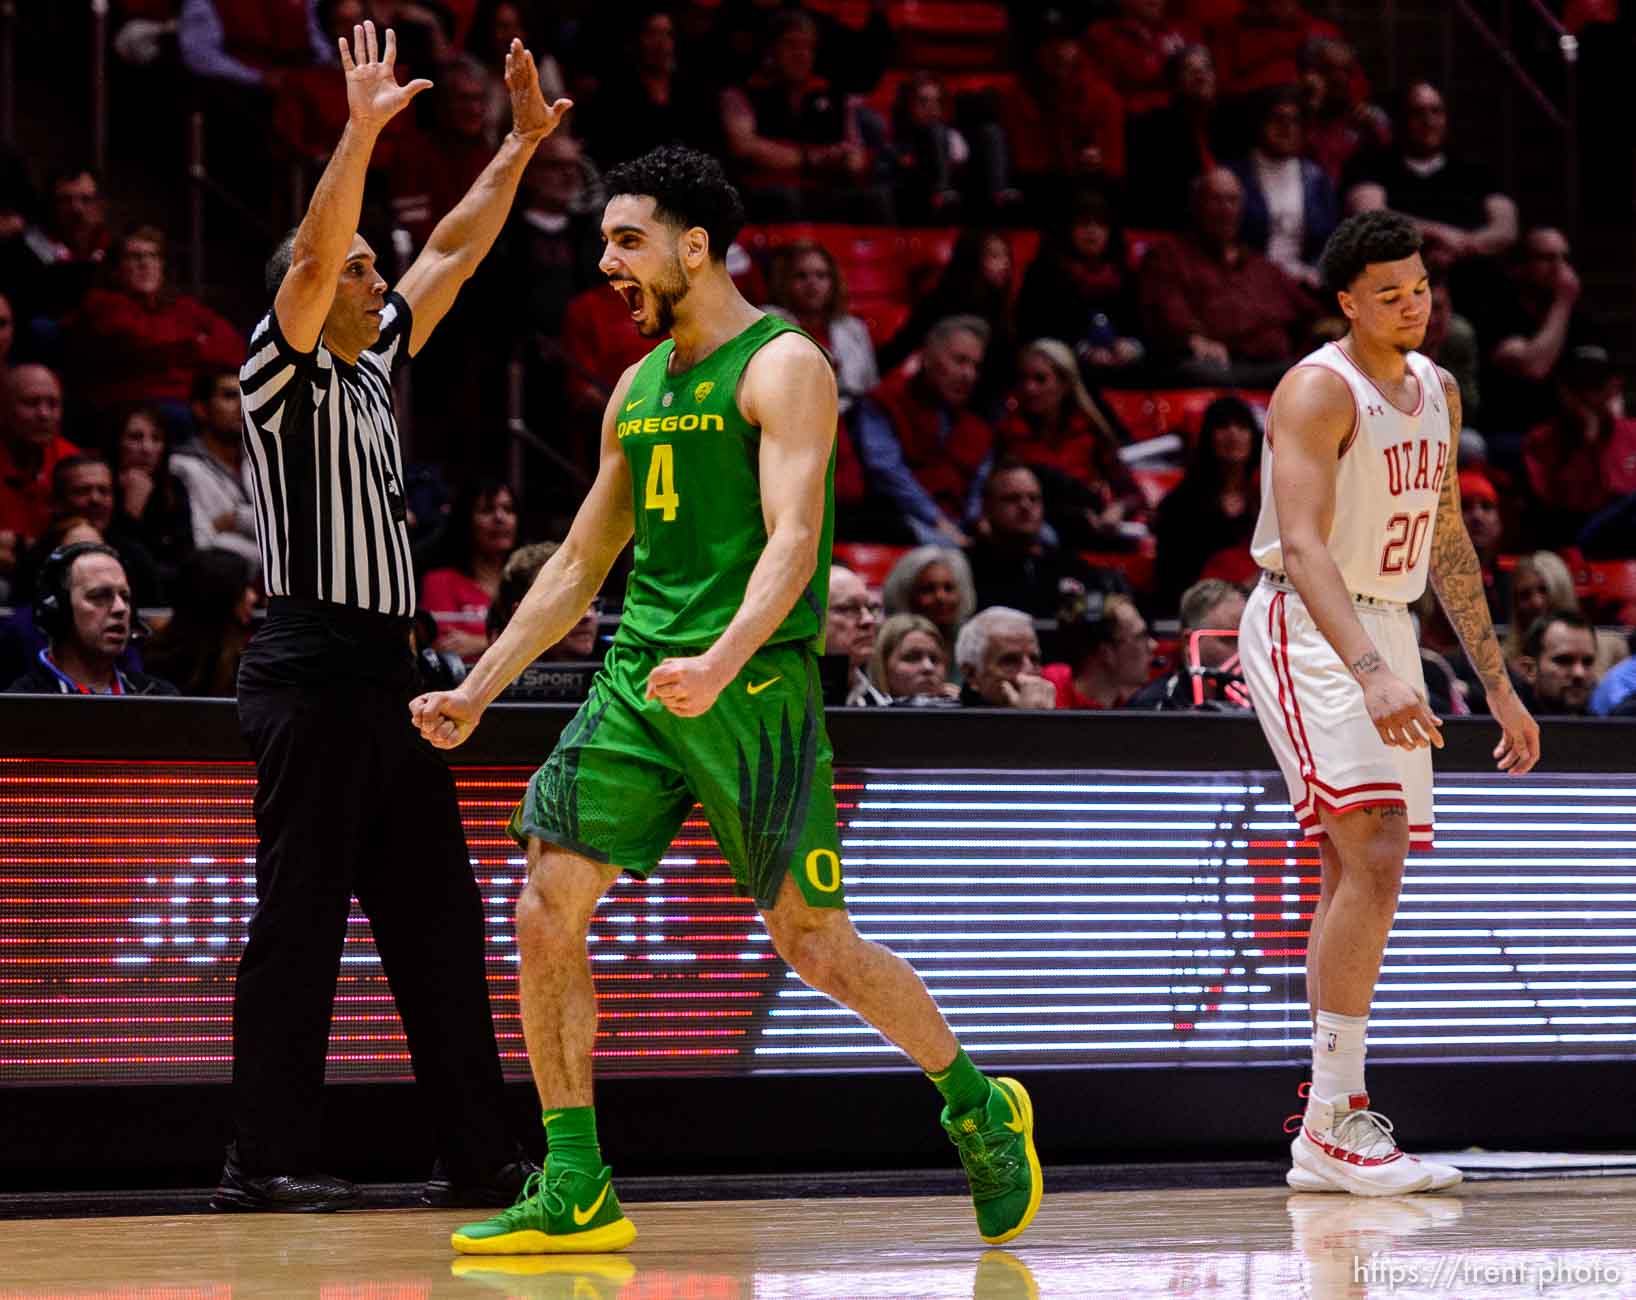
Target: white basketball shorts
{"points": [[1312, 712]]}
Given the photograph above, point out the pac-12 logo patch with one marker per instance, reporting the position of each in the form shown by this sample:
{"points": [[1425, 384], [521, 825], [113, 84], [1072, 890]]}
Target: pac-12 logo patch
{"points": [[703, 391]]}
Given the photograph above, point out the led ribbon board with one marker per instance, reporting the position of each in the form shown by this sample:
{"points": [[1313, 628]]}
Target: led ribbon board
{"points": [[1060, 918]]}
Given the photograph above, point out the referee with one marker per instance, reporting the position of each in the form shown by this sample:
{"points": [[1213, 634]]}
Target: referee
{"points": [[349, 799]]}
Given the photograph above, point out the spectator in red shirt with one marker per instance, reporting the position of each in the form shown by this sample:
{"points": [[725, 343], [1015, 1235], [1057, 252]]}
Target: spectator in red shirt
{"points": [[793, 139], [1109, 658], [249, 43], [1260, 47], [1055, 428], [1480, 508], [599, 343], [8, 335], [1063, 123], [31, 446], [429, 175], [1214, 310], [922, 446], [140, 340], [1584, 458], [482, 531], [978, 281], [310, 103], [1131, 51], [1341, 123]]}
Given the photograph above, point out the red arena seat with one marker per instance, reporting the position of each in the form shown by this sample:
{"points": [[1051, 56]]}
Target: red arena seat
{"points": [[1136, 410], [1612, 586], [871, 561], [1137, 566], [883, 319], [940, 34]]}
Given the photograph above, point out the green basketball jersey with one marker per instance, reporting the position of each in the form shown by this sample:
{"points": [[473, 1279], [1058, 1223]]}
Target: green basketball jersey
{"points": [[697, 501]]}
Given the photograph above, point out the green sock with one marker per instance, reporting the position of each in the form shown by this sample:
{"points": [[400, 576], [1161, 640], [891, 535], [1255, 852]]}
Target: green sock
{"points": [[963, 1085], [570, 1140]]}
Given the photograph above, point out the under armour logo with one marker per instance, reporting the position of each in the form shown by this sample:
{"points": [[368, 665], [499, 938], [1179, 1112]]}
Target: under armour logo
{"points": [[1372, 409]]}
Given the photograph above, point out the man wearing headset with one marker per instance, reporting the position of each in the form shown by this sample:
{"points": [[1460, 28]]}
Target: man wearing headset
{"points": [[83, 606]]}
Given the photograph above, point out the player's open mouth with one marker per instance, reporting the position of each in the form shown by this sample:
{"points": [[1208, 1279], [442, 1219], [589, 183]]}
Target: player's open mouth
{"points": [[631, 292]]}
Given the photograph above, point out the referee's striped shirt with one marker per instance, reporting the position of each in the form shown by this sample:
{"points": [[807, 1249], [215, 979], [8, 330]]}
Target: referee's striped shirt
{"points": [[327, 468]]}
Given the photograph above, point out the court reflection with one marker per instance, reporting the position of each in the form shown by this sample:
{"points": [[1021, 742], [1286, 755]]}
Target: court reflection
{"points": [[1347, 1241], [997, 1275]]}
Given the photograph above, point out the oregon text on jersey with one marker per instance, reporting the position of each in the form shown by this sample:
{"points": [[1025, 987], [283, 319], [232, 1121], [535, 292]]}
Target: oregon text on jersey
{"points": [[669, 424]]}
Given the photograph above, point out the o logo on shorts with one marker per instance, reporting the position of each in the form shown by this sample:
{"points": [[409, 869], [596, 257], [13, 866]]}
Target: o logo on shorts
{"points": [[824, 870]]}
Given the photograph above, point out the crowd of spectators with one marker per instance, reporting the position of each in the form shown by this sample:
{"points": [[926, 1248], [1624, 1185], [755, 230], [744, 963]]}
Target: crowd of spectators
{"points": [[1134, 203]]}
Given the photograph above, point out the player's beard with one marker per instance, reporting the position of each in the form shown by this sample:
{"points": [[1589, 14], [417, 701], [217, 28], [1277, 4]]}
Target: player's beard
{"points": [[665, 292]]}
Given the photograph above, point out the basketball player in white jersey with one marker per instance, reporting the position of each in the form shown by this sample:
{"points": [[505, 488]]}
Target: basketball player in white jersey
{"points": [[1359, 506]]}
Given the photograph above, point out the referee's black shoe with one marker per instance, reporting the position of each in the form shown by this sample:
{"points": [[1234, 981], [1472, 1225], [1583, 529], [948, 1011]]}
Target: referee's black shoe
{"points": [[499, 1188], [281, 1193]]}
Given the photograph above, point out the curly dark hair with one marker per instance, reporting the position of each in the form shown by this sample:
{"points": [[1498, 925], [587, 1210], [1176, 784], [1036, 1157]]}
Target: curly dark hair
{"points": [[688, 189], [1378, 236]]}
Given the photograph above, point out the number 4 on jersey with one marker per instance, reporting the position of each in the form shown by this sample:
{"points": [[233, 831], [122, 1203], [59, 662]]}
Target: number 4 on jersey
{"points": [[661, 493]]}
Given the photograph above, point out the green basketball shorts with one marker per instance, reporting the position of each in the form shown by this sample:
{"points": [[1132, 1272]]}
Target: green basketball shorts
{"points": [[626, 773]]}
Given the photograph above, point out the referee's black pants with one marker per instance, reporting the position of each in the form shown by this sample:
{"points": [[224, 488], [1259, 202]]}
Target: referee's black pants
{"points": [[350, 800]]}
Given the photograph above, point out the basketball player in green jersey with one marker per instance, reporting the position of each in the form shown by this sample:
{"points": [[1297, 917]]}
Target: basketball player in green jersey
{"points": [[717, 453]]}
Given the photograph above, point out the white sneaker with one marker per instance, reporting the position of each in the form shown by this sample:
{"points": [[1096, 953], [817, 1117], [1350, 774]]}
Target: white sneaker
{"points": [[1343, 1146], [1444, 1177]]}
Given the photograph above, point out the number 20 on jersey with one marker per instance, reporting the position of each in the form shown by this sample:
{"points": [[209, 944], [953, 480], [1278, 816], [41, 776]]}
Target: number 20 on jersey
{"points": [[661, 486]]}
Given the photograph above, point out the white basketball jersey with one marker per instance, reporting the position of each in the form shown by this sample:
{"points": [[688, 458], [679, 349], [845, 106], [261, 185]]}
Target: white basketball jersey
{"points": [[1386, 483]]}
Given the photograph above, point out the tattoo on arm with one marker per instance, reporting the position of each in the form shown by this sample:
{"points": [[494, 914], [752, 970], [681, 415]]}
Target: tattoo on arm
{"points": [[1456, 574], [1366, 663]]}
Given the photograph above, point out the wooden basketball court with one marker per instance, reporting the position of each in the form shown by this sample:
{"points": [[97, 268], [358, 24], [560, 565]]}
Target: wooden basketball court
{"points": [[1557, 1237]]}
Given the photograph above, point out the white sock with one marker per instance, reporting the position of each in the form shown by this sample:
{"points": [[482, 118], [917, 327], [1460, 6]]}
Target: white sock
{"points": [[1337, 1055]]}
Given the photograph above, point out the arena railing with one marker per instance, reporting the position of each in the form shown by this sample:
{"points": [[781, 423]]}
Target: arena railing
{"points": [[1563, 116]]}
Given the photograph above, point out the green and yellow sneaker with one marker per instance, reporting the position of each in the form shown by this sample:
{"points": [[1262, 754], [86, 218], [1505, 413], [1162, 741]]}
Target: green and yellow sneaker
{"points": [[996, 1145], [560, 1211]]}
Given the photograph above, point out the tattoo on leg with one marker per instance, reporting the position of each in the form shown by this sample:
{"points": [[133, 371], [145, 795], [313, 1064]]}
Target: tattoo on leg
{"points": [[1392, 810]]}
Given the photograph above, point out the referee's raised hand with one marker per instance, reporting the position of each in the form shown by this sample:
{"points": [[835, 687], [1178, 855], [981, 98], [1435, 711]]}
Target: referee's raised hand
{"points": [[531, 117], [374, 97]]}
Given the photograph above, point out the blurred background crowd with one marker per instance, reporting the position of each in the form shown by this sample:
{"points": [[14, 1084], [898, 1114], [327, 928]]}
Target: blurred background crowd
{"points": [[1059, 254]]}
